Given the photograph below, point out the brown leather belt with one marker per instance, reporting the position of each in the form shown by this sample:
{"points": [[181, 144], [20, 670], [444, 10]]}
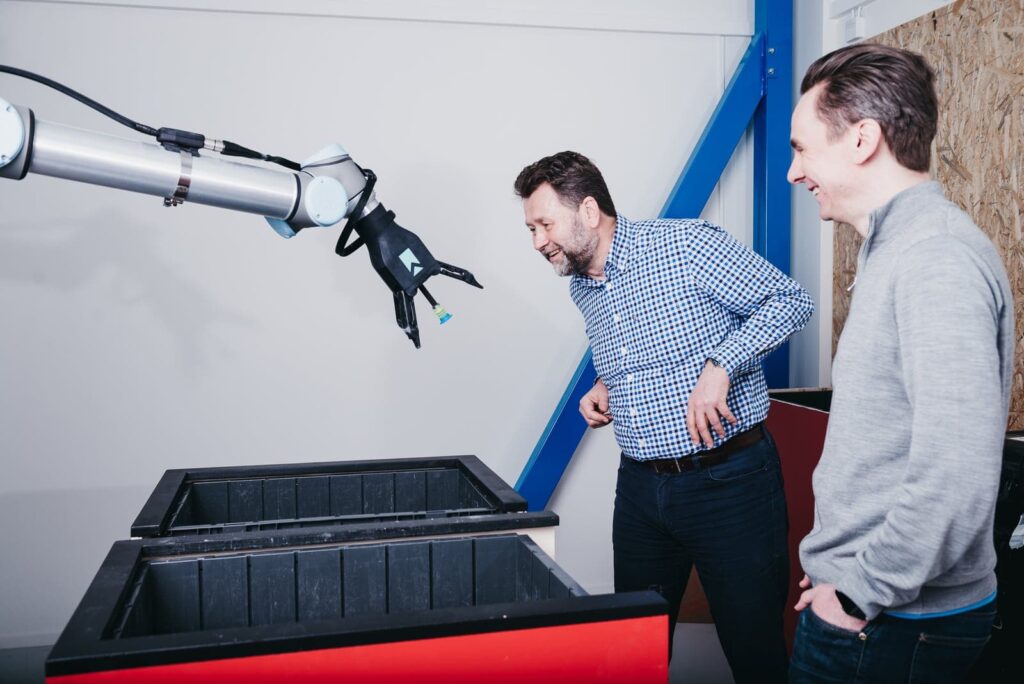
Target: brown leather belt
{"points": [[708, 458]]}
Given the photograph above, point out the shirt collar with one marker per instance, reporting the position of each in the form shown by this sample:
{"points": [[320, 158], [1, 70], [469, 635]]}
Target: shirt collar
{"points": [[621, 250]]}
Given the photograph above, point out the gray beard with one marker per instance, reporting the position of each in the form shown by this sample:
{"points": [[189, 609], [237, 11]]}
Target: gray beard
{"points": [[578, 252], [577, 262]]}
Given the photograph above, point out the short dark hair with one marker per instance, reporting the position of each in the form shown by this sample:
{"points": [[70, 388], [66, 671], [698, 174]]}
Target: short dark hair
{"points": [[573, 177], [894, 87]]}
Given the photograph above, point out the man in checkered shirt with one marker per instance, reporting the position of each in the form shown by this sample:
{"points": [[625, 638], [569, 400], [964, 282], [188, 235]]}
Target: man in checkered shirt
{"points": [[679, 315]]}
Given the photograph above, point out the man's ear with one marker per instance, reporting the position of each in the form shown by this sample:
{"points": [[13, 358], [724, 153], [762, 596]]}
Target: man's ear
{"points": [[867, 140], [590, 212]]}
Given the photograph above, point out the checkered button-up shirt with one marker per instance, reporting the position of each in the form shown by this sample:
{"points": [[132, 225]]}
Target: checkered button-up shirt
{"points": [[676, 293]]}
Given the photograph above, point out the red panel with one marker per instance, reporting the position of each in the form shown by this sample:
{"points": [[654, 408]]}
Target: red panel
{"points": [[799, 433], [631, 650]]}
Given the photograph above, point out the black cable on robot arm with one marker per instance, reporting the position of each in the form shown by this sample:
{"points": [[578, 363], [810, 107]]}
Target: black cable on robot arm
{"points": [[123, 120], [235, 150], [230, 149]]}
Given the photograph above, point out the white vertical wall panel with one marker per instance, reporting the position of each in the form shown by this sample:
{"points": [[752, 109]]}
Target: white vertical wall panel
{"points": [[137, 338], [817, 30], [810, 361]]}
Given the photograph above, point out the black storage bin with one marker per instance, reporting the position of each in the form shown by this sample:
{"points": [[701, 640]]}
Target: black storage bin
{"points": [[295, 585], [184, 600], [1000, 661], [207, 501]]}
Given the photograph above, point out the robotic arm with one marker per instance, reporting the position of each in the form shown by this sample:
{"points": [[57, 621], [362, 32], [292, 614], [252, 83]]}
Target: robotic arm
{"points": [[326, 189]]}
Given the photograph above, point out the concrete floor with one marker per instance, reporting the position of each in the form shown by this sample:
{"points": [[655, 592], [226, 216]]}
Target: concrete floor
{"points": [[697, 656], [22, 665], [696, 659]]}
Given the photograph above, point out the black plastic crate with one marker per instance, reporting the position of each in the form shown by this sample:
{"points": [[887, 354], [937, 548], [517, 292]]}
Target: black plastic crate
{"points": [[275, 497], [172, 601], [296, 585]]}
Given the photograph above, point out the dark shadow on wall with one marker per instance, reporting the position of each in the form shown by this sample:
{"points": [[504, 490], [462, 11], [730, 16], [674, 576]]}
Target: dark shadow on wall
{"points": [[71, 254]]}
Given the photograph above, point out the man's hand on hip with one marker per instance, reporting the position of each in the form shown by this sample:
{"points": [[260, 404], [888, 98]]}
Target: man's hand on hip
{"points": [[823, 601], [594, 406], [707, 405]]}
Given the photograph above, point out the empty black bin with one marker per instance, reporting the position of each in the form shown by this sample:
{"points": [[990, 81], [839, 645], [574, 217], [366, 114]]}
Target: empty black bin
{"points": [[201, 611], [274, 497]]}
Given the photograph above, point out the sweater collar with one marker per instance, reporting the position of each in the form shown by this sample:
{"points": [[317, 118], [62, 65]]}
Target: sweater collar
{"points": [[889, 217]]}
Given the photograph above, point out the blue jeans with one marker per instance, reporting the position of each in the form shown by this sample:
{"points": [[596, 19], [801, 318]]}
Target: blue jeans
{"points": [[728, 520], [890, 649]]}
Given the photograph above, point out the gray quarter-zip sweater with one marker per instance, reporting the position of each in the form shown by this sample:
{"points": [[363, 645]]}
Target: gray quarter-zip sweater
{"points": [[906, 487]]}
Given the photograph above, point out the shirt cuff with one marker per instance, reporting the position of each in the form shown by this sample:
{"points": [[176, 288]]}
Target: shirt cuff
{"points": [[731, 355]]}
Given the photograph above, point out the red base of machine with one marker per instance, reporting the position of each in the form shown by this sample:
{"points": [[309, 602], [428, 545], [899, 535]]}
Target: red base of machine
{"points": [[630, 650], [799, 433]]}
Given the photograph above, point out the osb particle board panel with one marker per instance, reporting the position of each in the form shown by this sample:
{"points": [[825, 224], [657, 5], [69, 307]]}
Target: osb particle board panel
{"points": [[977, 50]]}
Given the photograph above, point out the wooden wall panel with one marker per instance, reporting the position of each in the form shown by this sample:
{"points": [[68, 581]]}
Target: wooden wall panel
{"points": [[977, 50]]}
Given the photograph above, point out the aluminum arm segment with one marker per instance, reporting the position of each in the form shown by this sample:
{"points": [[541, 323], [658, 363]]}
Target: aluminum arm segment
{"points": [[136, 166], [52, 149]]}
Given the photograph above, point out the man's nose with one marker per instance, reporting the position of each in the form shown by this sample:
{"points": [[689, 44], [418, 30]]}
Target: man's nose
{"points": [[795, 174], [539, 240]]}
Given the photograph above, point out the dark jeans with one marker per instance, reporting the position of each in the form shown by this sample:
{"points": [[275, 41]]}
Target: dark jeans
{"points": [[890, 649], [730, 522]]}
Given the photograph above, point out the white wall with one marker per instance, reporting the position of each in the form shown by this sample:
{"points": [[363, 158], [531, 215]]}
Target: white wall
{"points": [[806, 234], [138, 338]]}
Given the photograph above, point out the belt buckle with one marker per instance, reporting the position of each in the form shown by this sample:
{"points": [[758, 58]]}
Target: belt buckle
{"points": [[669, 465]]}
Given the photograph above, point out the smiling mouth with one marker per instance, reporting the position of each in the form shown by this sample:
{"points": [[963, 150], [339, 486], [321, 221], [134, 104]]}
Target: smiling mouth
{"points": [[815, 190], [552, 254]]}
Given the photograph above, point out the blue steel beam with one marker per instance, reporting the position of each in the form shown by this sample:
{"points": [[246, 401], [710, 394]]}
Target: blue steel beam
{"points": [[743, 98], [772, 193], [723, 132], [559, 441]]}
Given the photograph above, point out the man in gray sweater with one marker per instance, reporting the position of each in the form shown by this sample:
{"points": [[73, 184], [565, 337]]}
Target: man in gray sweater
{"points": [[900, 583]]}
